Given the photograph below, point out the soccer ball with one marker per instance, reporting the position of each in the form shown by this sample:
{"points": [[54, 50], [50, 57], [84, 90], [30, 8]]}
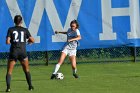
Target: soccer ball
{"points": [[59, 76]]}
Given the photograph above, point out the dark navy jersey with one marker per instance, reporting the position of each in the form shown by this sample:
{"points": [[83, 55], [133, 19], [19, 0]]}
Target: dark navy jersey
{"points": [[18, 36]]}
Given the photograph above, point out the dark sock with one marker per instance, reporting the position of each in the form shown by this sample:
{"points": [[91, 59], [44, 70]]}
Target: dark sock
{"points": [[8, 80], [28, 78]]}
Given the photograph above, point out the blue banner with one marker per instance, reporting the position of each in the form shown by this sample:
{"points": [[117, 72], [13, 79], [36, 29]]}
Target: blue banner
{"points": [[103, 23]]}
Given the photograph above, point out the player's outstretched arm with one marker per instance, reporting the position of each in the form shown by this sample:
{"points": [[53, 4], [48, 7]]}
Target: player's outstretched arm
{"points": [[8, 40], [59, 32], [31, 40], [73, 39]]}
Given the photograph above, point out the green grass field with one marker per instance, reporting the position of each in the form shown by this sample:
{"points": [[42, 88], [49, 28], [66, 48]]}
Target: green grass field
{"points": [[94, 78]]}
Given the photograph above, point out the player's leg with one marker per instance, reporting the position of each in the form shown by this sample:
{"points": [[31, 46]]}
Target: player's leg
{"points": [[25, 66], [10, 66], [72, 58], [60, 62]]}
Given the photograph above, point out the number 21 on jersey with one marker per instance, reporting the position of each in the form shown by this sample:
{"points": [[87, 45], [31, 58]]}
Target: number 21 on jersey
{"points": [[18, 36]]}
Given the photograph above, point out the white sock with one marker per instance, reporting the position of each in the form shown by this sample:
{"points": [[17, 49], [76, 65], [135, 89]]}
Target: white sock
{"points": [[56, 68], [74, 71]]}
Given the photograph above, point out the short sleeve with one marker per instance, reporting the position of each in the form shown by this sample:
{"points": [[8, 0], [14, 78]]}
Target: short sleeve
{"points": [[8, 33], [28, 34], [78, 32]]}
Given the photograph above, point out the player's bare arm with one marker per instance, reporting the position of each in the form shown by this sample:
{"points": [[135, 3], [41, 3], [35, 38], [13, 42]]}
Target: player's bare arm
{"points": [[8, 40], [31, 40], [73, 39], [59, 32]]}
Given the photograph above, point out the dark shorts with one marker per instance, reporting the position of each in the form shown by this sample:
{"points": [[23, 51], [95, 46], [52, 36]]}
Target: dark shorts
{"points": [[18, 55]]}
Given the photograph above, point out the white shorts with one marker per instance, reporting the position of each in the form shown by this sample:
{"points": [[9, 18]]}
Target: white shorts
{"points": [[69, 52]]}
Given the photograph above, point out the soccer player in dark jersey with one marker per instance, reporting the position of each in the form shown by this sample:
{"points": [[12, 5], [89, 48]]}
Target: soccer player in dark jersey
{"points": [[17, 37]]}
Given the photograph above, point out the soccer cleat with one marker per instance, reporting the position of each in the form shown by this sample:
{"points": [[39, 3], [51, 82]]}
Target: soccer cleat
{"points": [[53, 76], [75, 75], [31, 88], [8, 90]]}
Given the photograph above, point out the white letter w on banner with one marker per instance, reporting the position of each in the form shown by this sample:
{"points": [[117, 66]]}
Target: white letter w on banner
{"points": [[50, 8]]}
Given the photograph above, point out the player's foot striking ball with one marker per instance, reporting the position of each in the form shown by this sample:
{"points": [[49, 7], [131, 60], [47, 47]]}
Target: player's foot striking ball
{"points": [[17, 36], [70, 48], [53, 76]]}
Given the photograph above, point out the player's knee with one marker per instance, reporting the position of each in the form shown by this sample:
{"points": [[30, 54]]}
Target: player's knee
{"points": [[60, 63], [25, 69], [9, 73]]}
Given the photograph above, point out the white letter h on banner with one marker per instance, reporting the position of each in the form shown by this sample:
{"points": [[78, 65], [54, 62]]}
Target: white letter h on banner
{"points": [[108, 12]]}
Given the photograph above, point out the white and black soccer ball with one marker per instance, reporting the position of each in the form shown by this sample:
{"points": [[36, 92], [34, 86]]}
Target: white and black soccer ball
{"points": [[59, 76]]}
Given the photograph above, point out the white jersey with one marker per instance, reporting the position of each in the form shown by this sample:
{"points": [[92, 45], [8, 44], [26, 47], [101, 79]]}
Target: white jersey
{"points": [[72, 34]]}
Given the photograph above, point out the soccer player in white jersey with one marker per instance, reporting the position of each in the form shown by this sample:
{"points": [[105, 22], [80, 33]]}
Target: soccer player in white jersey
{"points": [[70, 48]]}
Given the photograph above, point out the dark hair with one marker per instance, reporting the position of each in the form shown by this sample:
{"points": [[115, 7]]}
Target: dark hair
{"points": [[17, 19], [74, 22]]}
